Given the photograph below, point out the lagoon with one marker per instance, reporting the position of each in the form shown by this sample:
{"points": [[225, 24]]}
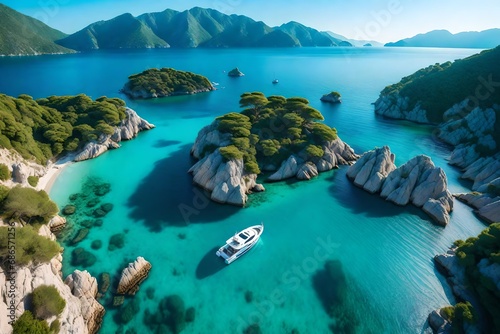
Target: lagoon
{"points": [[385, 251]]}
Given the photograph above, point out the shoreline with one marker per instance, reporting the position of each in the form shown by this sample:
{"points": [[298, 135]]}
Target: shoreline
{"points": [[47, 181]]}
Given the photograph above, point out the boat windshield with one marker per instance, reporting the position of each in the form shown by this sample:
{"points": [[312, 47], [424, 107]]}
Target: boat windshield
{"points": [[243, 236]]}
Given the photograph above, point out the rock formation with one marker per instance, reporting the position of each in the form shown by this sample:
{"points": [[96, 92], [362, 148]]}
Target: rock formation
{"points": [[79, 316], [336, 153], [128, 129], [332, 97], [235, 72], [57, 223], [132, 276], [397, 107], [19, 167], [418, 181], [228, 181], [84, 287]]}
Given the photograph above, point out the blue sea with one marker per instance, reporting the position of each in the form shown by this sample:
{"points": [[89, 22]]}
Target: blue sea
{"points": [[387, 284]]}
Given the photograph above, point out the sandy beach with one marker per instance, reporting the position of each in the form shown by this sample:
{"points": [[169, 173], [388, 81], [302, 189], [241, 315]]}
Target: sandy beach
{"points": [[47, 181]]}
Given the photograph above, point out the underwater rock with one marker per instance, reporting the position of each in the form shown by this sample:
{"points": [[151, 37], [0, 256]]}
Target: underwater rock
{"points": [[80, 235], [190, 314], [82, 258], [99, 213], [93, 202], [98, 222], [132, 276], [104, 282], [69, 210], [253, 329], [118, 301], [248, 296], [102, 189], [107, 207], [73, 197], [150, 292], [116, 241], [128, 311], [96, 244], [87, 223]]}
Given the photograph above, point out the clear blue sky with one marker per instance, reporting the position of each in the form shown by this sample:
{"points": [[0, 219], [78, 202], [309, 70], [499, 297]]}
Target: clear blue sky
{"points": [[382, 20]]}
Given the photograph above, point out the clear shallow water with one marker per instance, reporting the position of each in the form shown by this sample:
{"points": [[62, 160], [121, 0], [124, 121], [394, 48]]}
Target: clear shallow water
{"points": [[386, 251]]}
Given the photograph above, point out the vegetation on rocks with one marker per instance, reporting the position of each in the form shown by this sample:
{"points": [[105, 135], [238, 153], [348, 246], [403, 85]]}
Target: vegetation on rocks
{"points": [[440, 86], [166, 82], [28, 324], [272, 128], [45, 128], [47, 302], [4, 172], [476, 254], [28, 205], [30, 246]]}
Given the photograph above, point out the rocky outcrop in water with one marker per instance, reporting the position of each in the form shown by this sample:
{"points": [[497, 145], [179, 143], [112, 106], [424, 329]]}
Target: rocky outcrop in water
{"points": [[303, 167], [228, 181], [418, 182], [128, 129], [235, 72], [133, 275], [397, 107], [332, 97]]}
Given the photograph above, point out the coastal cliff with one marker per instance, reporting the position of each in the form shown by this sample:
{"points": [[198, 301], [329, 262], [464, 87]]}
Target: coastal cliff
{"points": [[472, 270], [128, 129], [418, 182], [82, 313], [234, 149], [467, 117]]}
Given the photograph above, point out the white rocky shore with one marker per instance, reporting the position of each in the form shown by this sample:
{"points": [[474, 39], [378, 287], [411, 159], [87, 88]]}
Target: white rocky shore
{"points": [[228, 181], [82, 313], [128, 129], [418, 182], [397, 107], [447, 264], [469, 131]]}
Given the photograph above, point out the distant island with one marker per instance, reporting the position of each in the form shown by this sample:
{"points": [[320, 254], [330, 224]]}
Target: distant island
{"points": [[154, 83], [273, 134], [196, 27], [235, 72], [332, 97], [444, 39]]}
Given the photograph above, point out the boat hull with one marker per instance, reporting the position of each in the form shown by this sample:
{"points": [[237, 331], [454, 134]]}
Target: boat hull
{"points": [[225, 251]]}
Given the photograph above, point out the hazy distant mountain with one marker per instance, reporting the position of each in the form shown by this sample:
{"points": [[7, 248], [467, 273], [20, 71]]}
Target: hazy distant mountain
{"points": [[444, 39], [197, 27], [354, 42], [23, 35]]}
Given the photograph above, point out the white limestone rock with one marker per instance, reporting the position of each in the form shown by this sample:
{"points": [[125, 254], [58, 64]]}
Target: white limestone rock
{"points": [[209, 136], [84, 287], [397, 107], [307, 171], [417, 181], [288, 169], [132, 276], [490, 212], [128, 129]]}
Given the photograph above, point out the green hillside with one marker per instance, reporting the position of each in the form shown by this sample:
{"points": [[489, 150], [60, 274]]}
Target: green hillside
{"points": [[23, 35], [124, 31], [45, 128], [196, 27], [438, 87]]}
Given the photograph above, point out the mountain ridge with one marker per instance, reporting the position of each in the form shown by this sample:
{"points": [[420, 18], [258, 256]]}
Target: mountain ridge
{"points": [[485, 39], [195, 27]]}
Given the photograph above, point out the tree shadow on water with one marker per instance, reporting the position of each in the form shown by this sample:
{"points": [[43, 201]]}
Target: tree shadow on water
{"points": [[168, 197], [360, 201]]}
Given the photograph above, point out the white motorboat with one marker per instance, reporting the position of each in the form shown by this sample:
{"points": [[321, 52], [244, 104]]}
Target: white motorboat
{"points": [[240, 243]]}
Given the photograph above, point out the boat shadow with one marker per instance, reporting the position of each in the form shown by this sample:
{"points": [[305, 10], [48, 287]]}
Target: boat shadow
{"points": [[209, 265]]}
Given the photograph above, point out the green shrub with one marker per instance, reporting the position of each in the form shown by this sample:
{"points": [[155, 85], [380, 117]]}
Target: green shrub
{"points": [[55, 327], [4, 173], [231, 152], [4, 192], [29, 205], [448, 312], [27, 324], [33, 180], [47, 302], [30, 246], [252, 167], [314, 151]]}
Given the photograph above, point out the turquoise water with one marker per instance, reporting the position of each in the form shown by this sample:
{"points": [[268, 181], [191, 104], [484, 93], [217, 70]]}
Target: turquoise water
{"points": [[385, 251]]}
